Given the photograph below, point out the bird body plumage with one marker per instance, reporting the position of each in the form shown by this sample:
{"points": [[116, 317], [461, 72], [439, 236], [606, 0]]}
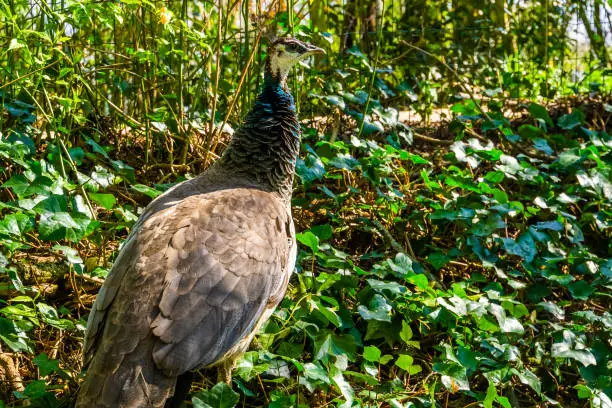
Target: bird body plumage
{"points": [[203, 268]]}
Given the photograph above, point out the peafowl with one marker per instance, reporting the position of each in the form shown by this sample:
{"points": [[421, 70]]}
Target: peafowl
{"points": [[206, 263]]}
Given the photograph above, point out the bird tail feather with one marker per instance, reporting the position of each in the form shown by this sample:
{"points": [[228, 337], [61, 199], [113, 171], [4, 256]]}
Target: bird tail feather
{"points": [[133, 382]]}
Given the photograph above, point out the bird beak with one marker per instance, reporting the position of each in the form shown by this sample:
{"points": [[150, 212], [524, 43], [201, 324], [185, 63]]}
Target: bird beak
{"points": [[312, 50]]}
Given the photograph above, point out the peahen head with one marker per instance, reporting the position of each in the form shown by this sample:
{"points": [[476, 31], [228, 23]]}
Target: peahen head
{"points": [[284, 53]]}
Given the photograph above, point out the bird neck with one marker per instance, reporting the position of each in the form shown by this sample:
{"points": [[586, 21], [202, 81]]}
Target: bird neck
{"points": [[265, 149], [275, 76]]}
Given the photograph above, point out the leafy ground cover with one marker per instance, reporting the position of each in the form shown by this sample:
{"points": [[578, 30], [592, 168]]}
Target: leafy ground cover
{"points": [[469, 270], [465, 264]]}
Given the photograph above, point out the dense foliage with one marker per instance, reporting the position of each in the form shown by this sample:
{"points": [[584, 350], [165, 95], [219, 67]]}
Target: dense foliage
{"points": [[462, 265]]}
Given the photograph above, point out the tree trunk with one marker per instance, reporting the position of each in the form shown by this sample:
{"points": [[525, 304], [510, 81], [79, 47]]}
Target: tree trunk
{"points": [[500, 20], [317, 14], [598, 46], [598, 9], [350, 25], [370, 24]]}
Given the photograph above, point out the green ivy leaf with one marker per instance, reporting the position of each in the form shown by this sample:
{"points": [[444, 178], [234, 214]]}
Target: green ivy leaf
{"points": [[419, 280], [45, 366], [344, 161], [50, 316], [96, 147], [310, 240], [414, 158], [529, 131], [124, 170], [454, 376], [35, 389], [310, 169], [71, 254], [330, 344], [581, 290], [62, 225], [390, 286], [401, 265], [53, 203], [506, 324], [107, 201], [571, 120], [540, 112], [247, 366], [524, 247], [219, 396], [14, 336], [542, 145], [490, 397], [379, 309], [371, 353], [316, 372], [327, 312], [16, 224], [149, 191], [385, 359], [500, 196], [528, 378], [101, 177], [438, 260], [344, 386], [406, 363], [564, 350], [406, 332], [324, 232], [335, 100], [14, 278]]}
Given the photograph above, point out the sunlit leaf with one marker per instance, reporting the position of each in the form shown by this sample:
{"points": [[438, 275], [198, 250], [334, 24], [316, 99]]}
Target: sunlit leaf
{"points": [[219, 396]]}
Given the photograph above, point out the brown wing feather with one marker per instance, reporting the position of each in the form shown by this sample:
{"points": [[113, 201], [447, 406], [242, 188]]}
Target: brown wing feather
{"points": [[190, 284], [226, 265]]}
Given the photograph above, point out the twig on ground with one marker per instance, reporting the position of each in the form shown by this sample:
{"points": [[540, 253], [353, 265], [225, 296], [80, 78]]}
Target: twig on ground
{"points": [[432, 139], [9, 373], [92, 279]]}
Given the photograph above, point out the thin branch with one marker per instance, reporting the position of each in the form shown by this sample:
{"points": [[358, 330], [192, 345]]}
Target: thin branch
{"points": [[29, 74]]}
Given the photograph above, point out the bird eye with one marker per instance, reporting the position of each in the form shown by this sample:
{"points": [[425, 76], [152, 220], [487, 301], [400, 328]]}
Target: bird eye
{"points": [[291, 48]]}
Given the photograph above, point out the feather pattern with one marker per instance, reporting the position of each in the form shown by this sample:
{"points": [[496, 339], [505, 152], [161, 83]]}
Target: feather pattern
{"points": [[266, 146], [204, 266]]}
